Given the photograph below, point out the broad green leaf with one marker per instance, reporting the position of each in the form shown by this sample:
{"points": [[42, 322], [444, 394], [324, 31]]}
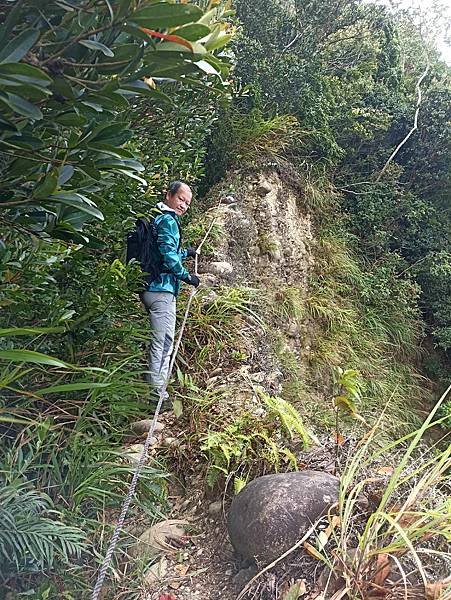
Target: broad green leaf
{"points": [[17, 331], [46, 187], [63, 89], [25, 140], [71, 119], [110, 101], [111, 150], [207, 67], [164, 14], [65, 173], [97, 46], [219, 42], [108, 133], [77, 201], [192, 32], [19, 46], [123, 163], [178, 408], [21, 106], [72, 387], [344, 403], [141, 88], [133, 176], [33, 357], [25, 73]]}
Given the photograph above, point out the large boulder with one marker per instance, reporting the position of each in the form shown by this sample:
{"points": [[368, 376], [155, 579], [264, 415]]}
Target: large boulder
{"points": [[273, 512]]}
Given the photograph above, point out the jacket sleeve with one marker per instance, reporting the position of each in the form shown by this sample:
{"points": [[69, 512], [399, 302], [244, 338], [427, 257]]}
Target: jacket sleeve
{"points": [[168, 238]]}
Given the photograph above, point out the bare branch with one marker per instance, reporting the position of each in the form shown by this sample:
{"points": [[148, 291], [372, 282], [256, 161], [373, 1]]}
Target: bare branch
{"points": [[415, 123]]}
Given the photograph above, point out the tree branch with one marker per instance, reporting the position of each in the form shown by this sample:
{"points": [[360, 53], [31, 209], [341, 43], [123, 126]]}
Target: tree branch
{"points": [[415, 124]]}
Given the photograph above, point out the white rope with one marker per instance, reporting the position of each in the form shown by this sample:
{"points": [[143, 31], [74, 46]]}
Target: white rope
{"points": [[126, 505]]}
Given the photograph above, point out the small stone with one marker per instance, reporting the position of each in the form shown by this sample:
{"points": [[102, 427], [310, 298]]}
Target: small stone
{"points": [[264, 188], [208, 280], [215, 508], [275, 254], [258, 377], [210, 297], [133, 453], [259, 412], [144, 426], [171, 442], [293, 330], [244, 576], [229, 200], [174, 584]]}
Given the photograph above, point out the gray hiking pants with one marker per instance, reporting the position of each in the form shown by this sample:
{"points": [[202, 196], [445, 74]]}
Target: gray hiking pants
{"points": [[161, 308]]}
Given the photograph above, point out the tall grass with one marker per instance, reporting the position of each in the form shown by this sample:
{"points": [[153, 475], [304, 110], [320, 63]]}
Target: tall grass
{"points": [[401, 548], [368, 320], [62, 470]]}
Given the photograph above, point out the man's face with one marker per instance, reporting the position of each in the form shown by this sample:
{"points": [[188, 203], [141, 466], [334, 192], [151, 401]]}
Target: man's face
{"points": [[179, 201]]}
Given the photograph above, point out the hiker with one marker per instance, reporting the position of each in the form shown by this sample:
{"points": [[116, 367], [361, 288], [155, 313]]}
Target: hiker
{"points": [[160, 297]]}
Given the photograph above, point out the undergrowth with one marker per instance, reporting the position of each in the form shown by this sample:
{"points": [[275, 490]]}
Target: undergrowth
{"points": [[354, 315], [401, 546]]}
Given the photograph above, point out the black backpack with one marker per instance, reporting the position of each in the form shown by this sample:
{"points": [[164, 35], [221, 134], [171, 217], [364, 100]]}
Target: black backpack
{"points": [[142, 247]]}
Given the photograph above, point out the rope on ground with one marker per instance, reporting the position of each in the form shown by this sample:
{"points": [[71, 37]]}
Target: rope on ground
{"points": [[126, 505]]}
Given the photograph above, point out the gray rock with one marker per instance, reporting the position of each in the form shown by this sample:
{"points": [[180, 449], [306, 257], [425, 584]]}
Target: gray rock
{"points": [[143, 426], [273, 512], [293, 330], [219, 268], [215, 508], [264, 188], [171, 442]]}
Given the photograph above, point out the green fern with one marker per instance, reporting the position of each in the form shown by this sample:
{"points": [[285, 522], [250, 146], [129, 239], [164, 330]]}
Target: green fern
{"points": [[289, 417], [32, 535]]}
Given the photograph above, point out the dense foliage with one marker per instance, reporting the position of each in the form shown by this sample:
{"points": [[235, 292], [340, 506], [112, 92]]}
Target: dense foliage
{"points": [[101, 104], [352, 82], [92, 128]]}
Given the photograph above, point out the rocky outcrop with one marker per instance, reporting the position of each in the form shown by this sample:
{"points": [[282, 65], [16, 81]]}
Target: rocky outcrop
{"points": [[273, 512]]}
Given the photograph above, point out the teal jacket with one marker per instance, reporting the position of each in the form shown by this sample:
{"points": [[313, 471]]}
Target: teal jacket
{"points": [[168, 241]]}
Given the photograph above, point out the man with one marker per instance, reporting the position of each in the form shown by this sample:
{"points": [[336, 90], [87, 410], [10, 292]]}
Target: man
{"points": [[161, 294]]}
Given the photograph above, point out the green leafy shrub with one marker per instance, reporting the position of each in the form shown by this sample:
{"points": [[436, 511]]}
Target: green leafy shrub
{"points": [[250, 445]]}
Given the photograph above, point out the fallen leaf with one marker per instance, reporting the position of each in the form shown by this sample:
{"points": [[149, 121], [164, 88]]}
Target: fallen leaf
{"points": [[434, 591], [385, 471], [383, 569], [174, 584], [178, 408], [323, 536], [312, 551], [339, 439], [297, 590], [157, 571], [165, 536], [182, 569]]}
